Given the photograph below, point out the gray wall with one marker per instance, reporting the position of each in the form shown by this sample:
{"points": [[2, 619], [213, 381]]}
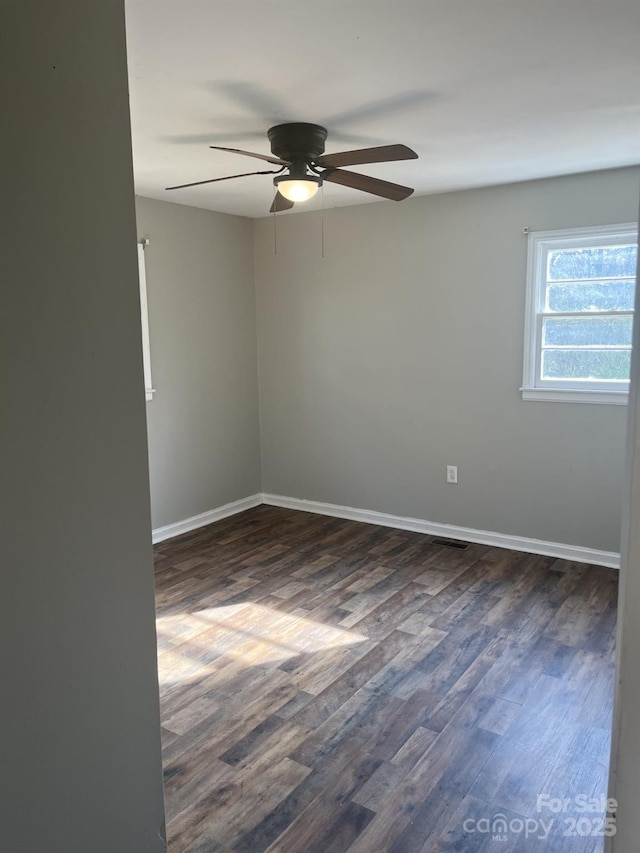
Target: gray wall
{"points": [[401, 352], [624, 775], [80, 745], [204, 446]]}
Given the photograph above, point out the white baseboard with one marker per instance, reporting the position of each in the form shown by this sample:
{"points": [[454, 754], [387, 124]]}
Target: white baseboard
{"points": [[171, 530], [451, 531], [417, 525]]}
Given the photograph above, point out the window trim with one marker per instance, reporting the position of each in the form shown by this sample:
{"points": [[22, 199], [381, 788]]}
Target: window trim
{"points": [[538, 244], [149, 390]]}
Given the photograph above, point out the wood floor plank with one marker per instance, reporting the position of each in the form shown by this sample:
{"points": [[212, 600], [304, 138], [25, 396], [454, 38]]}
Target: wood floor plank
{"points": [[339, 777], [311, 825], [344, 828], [432, 815], [414, 747], [330, 686]]}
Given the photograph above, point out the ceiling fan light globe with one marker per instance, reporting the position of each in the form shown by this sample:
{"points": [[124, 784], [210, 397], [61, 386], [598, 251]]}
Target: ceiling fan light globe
{"points": [[298, 189]]}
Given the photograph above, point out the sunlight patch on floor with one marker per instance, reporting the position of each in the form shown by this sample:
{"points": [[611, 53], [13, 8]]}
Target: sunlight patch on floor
{"points": [[250, 633]]}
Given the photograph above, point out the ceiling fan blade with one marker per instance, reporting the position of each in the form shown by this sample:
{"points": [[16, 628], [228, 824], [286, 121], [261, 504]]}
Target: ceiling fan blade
{"points": [[379, 154], [267, 157], [395, 192], [226, 178], [280, 203]]}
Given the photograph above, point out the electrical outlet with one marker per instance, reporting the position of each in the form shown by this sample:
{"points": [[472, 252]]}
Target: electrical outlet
{"points": [[452, 473]]}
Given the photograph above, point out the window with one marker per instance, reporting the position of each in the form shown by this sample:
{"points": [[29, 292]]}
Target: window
{"points": [[579, 315], [144, 316]]}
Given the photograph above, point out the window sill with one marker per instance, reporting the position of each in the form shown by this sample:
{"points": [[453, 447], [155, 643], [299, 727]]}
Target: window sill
{"points": [[560, 395]]}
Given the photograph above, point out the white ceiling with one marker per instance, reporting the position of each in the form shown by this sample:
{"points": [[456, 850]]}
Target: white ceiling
{"points": [[486, 91]]}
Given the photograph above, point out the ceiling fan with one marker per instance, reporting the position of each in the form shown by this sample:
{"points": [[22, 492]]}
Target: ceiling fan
{"points": [[298, 149]]}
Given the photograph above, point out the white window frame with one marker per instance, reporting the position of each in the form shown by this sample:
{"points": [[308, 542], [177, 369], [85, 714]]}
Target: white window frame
{"points": [[563, 390], [149, 390]]}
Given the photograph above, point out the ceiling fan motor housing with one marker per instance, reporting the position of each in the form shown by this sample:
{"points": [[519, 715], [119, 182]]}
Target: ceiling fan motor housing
{"points": [[297, 141], [298, 149]]}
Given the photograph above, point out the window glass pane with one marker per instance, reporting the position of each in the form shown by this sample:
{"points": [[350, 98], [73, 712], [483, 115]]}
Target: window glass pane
{"points": [[585, 365], [593, 262], [616, 295], [587, 331]]}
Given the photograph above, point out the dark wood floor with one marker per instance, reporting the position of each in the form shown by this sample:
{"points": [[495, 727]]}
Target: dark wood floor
{"points": [[330, 686]]}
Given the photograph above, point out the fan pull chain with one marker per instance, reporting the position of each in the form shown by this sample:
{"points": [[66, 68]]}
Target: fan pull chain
{"points": [[275, 239], [322, 217]]}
